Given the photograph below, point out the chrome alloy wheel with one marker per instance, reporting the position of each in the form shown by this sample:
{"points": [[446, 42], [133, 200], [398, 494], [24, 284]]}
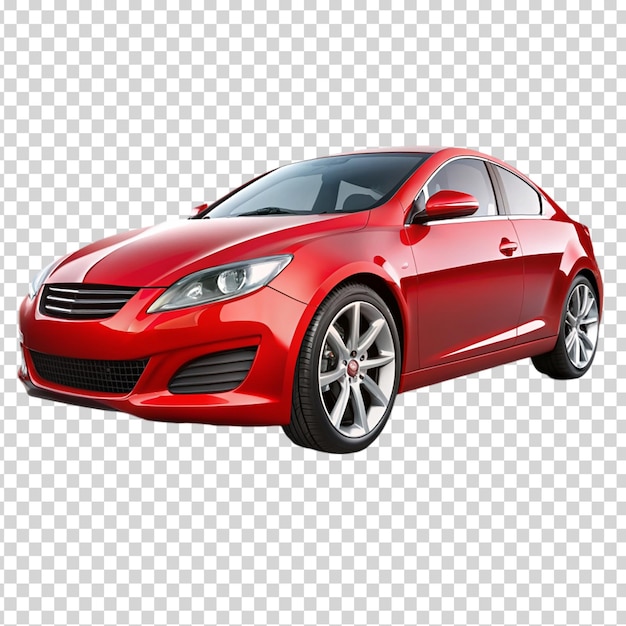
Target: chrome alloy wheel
{"points": [[357, 369], [581, 326]]}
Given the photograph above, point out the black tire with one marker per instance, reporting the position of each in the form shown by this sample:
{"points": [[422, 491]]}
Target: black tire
{"points": [[310, 424], [559, 362]]}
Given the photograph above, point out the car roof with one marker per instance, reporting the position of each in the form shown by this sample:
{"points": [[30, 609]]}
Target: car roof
{"points": [[416, 149], [446, 151], [443, 153]]}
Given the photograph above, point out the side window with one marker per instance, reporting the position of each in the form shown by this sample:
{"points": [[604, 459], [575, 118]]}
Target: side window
{"points": [[469, 176], [520, 197]]}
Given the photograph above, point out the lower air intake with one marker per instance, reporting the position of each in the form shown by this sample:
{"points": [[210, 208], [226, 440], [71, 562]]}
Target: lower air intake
{"points": [[214, 373], [88, 374]]}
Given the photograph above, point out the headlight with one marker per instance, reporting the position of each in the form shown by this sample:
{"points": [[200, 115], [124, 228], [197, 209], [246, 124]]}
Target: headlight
{"points": [[35, 284], [221, 283]]}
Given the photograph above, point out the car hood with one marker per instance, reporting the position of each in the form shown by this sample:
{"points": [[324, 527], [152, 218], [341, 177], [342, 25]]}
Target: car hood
{"points": [[161, 255]]}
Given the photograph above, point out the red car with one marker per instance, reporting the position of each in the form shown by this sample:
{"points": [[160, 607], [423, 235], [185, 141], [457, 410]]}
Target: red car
{"points": [[312, 295]]}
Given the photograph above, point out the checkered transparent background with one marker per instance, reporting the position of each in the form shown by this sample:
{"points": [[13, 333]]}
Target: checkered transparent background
{"points": [[498, 498]]}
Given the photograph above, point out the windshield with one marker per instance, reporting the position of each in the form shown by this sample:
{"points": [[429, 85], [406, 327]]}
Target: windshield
{"points": [[343, 184]]}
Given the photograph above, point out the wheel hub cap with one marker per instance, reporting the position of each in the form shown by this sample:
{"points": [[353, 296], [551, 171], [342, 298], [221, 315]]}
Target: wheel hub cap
{"points": [[353, 368]]}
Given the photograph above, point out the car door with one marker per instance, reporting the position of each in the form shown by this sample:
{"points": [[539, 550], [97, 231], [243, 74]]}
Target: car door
{"points": [[470, 272], [543, 242]]}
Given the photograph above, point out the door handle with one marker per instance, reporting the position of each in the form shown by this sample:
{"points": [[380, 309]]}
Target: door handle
{"points": [[507, 247]]}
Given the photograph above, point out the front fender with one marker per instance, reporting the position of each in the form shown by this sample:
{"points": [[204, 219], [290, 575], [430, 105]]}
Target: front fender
{"points": [[320, 266]]}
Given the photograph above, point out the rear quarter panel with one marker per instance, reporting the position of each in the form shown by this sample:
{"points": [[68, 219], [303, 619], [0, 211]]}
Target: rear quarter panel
{"points": [[553, 254]]}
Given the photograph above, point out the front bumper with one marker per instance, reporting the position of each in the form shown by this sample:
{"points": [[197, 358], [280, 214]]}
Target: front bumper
{"points": [[267, 319]]}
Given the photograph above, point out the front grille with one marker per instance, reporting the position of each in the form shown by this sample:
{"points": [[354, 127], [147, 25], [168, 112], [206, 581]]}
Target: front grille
{"points": [[214, 373], [89, 374], [81, 301]]}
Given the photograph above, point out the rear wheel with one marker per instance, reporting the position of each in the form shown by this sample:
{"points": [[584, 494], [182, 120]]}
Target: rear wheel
{"points": [[347, 374], [578, 334]]}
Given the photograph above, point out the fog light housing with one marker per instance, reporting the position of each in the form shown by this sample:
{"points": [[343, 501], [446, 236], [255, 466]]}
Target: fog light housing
{"points": [[23, 366]]}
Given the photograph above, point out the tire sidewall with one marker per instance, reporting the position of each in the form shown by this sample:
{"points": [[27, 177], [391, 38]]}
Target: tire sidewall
{"points": [[576, 372]]}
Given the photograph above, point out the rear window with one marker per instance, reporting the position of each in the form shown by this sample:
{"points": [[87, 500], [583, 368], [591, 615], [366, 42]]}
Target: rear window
{"points": [[520, 197]]}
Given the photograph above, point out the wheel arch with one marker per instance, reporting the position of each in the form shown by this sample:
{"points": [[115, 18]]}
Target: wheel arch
{"points": [[374, 278], [591, 277], [576, 260], [382, 288], [311, 282], [583, 268]]}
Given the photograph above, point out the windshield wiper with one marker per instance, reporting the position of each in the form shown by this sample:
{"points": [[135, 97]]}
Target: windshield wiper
{"points": [[270, 210]]}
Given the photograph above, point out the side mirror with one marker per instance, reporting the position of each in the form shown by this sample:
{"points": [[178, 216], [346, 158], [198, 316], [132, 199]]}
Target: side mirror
{"points": [[446, 204]]}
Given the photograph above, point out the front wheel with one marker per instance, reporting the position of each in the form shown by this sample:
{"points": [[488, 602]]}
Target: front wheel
{"points": [[578, 334], [348, 373]]}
